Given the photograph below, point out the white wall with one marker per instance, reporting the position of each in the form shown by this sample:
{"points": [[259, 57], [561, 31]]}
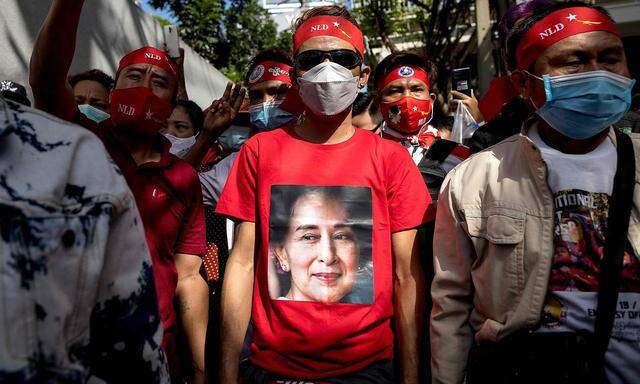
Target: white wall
{"points": [[108, 29]]}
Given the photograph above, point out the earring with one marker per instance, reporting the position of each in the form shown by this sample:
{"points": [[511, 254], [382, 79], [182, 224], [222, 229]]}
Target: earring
{"points": [[285, 267]]}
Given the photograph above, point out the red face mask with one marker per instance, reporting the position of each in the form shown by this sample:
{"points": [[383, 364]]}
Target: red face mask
{"points": [[139, 111], [408, 114]]}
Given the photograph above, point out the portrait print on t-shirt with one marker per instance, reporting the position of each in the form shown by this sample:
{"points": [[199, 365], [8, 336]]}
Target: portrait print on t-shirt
{"points": [[320, 244]]}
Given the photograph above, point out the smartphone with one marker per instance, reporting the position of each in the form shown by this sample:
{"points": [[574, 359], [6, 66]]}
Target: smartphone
{"points": [[462, 80], [171, 40]]}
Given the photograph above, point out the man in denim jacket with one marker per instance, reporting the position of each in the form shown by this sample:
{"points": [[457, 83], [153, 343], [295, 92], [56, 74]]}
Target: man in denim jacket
{"points": [[77, 296]]}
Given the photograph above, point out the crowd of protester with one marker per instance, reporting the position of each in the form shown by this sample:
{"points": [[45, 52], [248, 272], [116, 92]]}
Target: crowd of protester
{"points": [[303, 230]]}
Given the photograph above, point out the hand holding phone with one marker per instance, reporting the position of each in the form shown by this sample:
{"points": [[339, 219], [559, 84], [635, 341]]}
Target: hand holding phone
{"points": [[172, 41], [462, 80]]}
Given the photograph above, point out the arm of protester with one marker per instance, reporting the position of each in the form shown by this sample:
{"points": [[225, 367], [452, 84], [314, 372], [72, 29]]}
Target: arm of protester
{"points": [[218, 117], [469, 101], [409, 301], [451, 290], [182, 84], [127, 297], [192, 294], [237, 292], [51, 58]]}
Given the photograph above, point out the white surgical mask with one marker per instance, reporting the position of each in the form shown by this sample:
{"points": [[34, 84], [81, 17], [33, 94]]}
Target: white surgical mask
{"points": [[180, 145], [93, 113], [328, 88]]}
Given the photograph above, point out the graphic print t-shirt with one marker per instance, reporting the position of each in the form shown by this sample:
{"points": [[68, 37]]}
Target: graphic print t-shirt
{"points": [[324, 214], [581, 186]]}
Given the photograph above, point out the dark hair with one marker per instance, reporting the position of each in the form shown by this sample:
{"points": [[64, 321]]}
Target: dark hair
{"points": [[355, 200], [362, 103], [327, 10], [195, 113], [535, 14], [404, 58], [93, 75], [272, 54], [517, 12]]}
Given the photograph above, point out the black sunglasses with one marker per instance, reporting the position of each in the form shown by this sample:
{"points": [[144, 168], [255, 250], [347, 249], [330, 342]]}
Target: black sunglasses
{"points": [[345, 57]]}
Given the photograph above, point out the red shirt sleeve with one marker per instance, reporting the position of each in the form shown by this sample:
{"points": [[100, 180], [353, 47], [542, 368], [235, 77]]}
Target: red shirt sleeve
{"points": [[410, 204], [238, 199], [192, 237]]}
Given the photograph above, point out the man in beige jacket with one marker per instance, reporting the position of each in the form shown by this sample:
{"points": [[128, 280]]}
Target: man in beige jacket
{"points": [[520, 228]]}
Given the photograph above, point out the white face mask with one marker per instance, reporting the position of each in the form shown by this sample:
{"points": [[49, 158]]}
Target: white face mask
{"points": [[328, 88], [180, 145]]}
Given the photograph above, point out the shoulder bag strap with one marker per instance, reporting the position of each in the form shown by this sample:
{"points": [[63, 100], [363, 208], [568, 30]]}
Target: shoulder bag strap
{"points": [[620, 205]]}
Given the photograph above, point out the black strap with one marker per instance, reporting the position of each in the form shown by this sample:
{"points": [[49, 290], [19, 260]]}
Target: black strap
{"points": [[620, 205]]}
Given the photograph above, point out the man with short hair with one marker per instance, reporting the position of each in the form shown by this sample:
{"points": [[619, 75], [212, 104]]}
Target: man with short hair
{"points": [[403, 82], [78, 297], [537, 276], [166, 189], [92, 88], [329, 210], [268, 80]]}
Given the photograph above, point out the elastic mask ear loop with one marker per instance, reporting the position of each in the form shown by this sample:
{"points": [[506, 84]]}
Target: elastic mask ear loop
{"points": [[265, 114], [535, 107], [383, 128], [426, 125]]}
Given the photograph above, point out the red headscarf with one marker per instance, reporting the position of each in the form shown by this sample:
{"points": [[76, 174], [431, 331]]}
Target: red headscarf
{"points": [[559, 25], [149, 55], [270, 70], [329, 26], [404, 72]]}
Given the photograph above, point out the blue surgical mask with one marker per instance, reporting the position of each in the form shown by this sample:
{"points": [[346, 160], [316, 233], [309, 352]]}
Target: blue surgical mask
{"points": [[232, 139], [93, 113], [268, 116], [581, 105]]}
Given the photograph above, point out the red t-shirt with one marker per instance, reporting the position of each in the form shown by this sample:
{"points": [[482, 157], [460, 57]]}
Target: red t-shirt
{"points": [[169, 199], [323, 289]]}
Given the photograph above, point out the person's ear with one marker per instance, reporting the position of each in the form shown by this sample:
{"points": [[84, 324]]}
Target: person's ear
{"points": [[522, 83], [365, 72], [283, 258], [433, 97]]}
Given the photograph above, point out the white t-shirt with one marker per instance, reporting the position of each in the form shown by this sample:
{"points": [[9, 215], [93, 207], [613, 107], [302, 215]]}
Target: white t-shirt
{"points": [[581, 187]]}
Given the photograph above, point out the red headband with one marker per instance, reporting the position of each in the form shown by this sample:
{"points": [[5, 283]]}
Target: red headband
{"points": [[557, 26], [403, 72], [329, 26], [270, 70], [149, 55]]}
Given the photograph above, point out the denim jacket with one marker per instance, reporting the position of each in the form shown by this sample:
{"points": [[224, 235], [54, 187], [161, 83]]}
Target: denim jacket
{"points": [[77, 297], [493, 250]]}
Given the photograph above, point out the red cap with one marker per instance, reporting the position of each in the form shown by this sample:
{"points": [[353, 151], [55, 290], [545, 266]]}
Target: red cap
{"points": [[270, 70], [329, 26], [403, 72], [149, 55], [559, 25]]}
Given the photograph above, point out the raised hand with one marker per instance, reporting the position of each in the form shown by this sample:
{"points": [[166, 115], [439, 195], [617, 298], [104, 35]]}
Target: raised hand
{"points": [[469, 101], [220, 114]]}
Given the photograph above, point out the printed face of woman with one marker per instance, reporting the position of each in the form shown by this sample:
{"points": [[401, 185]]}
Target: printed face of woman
{"points": [[320, 250]]}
